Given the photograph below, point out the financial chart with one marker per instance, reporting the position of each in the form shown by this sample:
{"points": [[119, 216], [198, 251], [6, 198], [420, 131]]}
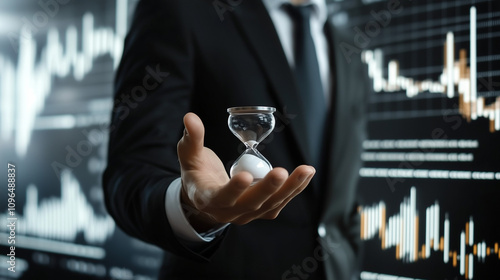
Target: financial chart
{"points": [[430, 183], [57, 63]]}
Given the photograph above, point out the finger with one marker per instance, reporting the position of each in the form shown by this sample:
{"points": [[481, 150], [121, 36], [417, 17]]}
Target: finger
{"points": [[297, 181], [271, 208], [193, 138], [275, 209], [253, 199], [295, 184], [229, 194]]}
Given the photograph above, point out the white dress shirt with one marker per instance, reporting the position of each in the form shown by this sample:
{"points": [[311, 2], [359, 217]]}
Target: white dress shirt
{"points": [[284, 27]]}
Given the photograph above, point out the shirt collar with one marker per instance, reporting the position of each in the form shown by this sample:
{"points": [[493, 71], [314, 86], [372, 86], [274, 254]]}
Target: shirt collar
{"points": [[319, 7]]}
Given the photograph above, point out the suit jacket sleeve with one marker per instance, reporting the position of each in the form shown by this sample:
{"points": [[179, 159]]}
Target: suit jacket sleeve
{"points": [[152, 93]]}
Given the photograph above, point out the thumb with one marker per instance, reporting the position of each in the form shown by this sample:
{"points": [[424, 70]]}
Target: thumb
{"points": [[193, 138]]}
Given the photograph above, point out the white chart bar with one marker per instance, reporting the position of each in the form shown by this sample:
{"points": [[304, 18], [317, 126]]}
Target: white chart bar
{"points": [[484, 251], [471, 266], [471, 232], [392, 75], [436, 227], [398, 232], [462, 253], [450, 59], [378, 80], [497, 114], [121, 18], [427, 233], [413, 215], [403, 239], [473, 61], [446, 249]]}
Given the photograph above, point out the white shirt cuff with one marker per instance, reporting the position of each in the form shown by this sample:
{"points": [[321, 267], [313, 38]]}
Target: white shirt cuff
{"points": [[178, 221]]}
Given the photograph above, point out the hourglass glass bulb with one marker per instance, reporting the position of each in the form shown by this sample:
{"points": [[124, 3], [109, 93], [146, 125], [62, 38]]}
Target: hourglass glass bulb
{"points": [[251, 125]]}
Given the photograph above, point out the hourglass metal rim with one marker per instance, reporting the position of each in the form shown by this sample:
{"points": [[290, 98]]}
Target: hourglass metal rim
{"points": [[251, 109]]}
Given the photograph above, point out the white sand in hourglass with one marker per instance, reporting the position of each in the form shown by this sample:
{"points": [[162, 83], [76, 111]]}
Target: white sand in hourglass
{"points": [[252, 164]]}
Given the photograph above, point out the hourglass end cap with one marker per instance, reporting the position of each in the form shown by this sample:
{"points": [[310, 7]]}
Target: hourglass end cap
{"points": [[251, 110]]}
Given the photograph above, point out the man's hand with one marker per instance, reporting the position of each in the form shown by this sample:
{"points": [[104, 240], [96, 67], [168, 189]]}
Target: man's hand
{"points": [[213, 199]]}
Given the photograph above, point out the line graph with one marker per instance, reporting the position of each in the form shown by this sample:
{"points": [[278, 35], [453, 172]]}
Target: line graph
{"points": [[25, 86], [456, 80], [56, 86]]}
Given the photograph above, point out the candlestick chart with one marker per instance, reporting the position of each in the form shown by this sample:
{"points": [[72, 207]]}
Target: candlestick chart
{"points": [[431, 174]]}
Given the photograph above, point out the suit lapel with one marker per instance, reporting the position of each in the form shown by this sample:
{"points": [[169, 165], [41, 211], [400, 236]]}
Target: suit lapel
{"points": [[343, 148], [258, 29], [338, 91]]}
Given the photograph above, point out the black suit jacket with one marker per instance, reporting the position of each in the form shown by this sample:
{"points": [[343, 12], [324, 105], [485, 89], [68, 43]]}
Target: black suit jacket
{"points": [[193, 55]]}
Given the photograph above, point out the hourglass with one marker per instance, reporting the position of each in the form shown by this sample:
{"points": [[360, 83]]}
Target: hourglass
{"points": [[251, 125]]}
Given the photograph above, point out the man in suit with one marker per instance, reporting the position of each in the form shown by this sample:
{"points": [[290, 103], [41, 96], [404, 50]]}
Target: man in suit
{"points": [[166, 180]]}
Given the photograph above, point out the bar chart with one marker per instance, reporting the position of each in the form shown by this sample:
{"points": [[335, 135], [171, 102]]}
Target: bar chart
{"points": [[414, 238], [62, 219], [430, 175]]}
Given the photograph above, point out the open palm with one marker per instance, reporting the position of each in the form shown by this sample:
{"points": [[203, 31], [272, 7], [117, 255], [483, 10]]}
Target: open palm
{"points": [[213, 198]]}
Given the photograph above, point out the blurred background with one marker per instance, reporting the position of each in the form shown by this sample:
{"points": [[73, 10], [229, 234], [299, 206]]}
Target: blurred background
{"points": [[429, 187], [57, 61]]}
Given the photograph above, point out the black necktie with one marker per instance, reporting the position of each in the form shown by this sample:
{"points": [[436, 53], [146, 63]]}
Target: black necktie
{"points": [[308, 79]]}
